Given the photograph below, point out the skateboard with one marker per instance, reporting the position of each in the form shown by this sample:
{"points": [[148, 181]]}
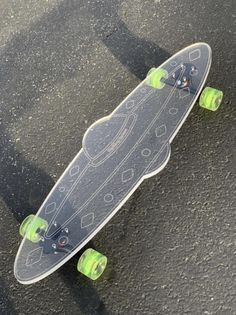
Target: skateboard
{"points": [[118, 152]]}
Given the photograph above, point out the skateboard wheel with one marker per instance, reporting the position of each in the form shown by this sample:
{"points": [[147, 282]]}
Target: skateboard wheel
{"points": [[155, 77], [30, 227], [92, 264], [211, 98]]}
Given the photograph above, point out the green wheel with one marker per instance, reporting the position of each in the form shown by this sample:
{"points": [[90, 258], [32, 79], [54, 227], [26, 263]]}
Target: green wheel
{"points": [[211, 98], [155, 77], [92, 264], [31, 226]]}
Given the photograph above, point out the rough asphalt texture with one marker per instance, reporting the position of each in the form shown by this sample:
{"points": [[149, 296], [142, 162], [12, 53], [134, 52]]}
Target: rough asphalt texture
{"points": [[63, 65]]}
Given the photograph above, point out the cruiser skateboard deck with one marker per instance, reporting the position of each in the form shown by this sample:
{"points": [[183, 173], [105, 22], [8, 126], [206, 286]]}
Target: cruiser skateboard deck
{"points": [[118, 152]]}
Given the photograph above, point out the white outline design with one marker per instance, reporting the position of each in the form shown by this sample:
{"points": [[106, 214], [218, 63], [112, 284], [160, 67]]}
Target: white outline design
{"points": [[195, 54], [146, 152], [127, 175], [51, 207], [32, 253], [160, 131], [173, 111], [108, 198], [74, 170], [88, 217], [185, 92]]}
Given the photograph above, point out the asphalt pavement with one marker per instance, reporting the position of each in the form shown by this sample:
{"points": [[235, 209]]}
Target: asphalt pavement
{"points": [[64, 64]]}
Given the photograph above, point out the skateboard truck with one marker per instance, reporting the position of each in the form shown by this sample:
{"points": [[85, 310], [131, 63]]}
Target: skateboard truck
{"points": [[58, 243], [182, 77], [92, 263]]}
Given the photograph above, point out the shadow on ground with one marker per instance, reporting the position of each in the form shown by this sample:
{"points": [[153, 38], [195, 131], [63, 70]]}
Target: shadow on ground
{"points": [[6, 304]]}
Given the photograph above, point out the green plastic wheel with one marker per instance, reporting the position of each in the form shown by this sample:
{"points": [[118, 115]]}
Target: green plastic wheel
{"points": [[31, 226], [155, 77], [211, 98], [92, 264]]}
